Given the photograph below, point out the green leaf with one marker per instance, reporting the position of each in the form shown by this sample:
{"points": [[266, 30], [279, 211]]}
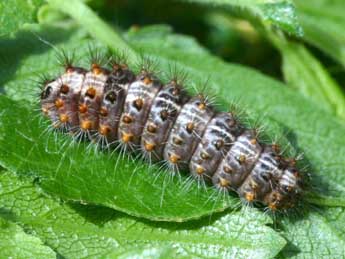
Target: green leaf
{"points": [[305, 73], [279, 13], [76, 173], [148, 252], [15, 13], [335, 217], [323, 22], [321, 234], [123, 192], [15, 243], [77, 231], [136, 189]]}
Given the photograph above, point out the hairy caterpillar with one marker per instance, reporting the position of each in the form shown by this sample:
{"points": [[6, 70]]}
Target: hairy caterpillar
{"points": [[116, 108]]}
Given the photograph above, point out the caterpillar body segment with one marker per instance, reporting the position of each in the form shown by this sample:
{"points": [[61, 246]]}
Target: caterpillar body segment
{"points": [[165, 109], [137, 105]]}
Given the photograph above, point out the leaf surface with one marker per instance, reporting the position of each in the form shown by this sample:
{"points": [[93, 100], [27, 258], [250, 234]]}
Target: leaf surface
{"points": [[15, 13], [77, 231], [323, 22], [320, 234], [280, 13], [304, 72], [15, 243], [135, 187], [73, 172]]}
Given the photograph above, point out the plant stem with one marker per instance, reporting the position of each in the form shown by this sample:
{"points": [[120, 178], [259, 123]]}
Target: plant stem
{"points": [[326, 201], [100, 30]]}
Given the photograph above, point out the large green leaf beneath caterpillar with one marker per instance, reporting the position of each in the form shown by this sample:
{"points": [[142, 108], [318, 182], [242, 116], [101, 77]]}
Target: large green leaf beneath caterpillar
{"points": [[75, 172], [280, 13], [15, 243], [260, 94], [132, 187], [15, 13], [77, 231]]}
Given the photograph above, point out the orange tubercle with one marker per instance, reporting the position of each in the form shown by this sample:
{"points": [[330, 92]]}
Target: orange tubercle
{"points": [[59, 103], [104, 130], [85, 125], [127, 137], [202, 106], [116, 67], [69, 69], [127, 119], [103, 112], [138, 103], [147, 80], [152, 128], [82, 108], [199, 169], [223, 182], [63, 118], [272, 206], [64, 89], [96, 70], [250, 196], [242, 159], [190, 127], [174, 158], [91, 92], [149, 146], [45, 111]]}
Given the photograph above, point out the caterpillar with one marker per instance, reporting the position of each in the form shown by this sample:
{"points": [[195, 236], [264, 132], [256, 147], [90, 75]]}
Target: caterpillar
{"points": [[138, 113]]}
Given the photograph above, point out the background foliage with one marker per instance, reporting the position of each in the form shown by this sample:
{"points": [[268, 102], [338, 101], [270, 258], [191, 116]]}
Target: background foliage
{"points": [[284, 60]]}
